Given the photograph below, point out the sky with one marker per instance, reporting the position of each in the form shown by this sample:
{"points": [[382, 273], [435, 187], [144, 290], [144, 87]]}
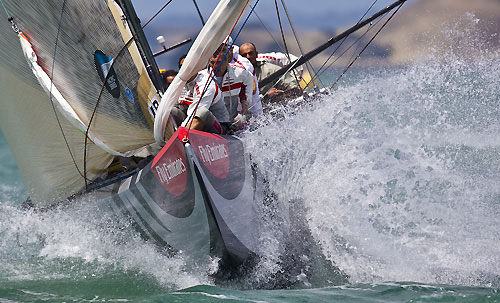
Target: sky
{"points": [[305, 13], [311, 7], [179, 20]]}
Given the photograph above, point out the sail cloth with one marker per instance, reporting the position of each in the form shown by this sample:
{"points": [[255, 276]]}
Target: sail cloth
{"points": [[49, 145], [30, 126], [215, 31]]}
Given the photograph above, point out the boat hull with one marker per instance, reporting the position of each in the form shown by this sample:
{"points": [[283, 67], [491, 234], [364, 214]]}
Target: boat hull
{"points": [[196, 197]]}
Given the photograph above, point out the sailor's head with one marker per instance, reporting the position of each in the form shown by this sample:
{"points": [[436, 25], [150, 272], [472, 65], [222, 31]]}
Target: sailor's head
{"points": [[181, 60], [229, 44], [228, 41], [168, 76], [249, 51], [219, 58]]}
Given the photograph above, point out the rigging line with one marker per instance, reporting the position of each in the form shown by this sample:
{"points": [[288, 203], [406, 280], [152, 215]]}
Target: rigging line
{"points": [[357, 43], [52, 81], [329, 43], [10, 19], [308, 64], [352, 44], [104, 85], [284, 42], [343, 53], [292, 67], [5, 9], [52, 85], [320, 71], [355, 51], [223, 58], [366, 46], [199, 12], [244, 22], [267, 29]]}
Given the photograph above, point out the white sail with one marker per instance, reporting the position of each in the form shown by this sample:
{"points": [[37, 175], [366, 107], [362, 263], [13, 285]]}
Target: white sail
{"points": [[48, 138], [30, 126], [59, 101], [218, 26]]}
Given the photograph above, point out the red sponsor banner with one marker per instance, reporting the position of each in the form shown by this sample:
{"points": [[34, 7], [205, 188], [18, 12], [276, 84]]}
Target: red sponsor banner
{"points": [[170, 166], [212, 151]]}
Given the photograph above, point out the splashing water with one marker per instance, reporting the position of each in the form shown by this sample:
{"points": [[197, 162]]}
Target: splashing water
{"points": [[81, 243], [398, 172]]}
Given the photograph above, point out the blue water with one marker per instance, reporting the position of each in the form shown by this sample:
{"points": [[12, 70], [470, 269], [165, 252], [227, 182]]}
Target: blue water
{"points": [[399, 172]]}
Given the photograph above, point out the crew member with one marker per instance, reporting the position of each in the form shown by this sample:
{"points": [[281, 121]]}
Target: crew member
{"points": [[206, 109], [179, 111], [168, 76], [255, 107], [236, 84], [181, 60], [288, 85]]}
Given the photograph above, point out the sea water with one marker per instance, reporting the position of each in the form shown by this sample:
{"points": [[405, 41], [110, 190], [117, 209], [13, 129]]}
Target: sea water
{"points": [[398, 172]]}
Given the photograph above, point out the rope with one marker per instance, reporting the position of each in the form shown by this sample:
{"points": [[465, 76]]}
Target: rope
{"points": [[199, 12], [104, 85], [284, 42], [320, 70], [308, 64], [269, 32], [13, 24], [352, 44], [291, 68], [366, 46], [5, 9], [223, 58], [16, 29], [51, 86]]}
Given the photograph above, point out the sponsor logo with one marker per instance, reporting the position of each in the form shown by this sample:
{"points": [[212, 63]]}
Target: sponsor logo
{"points": [[167, 172], [170, 167], [130, 95], [103, 64], [153, 106], [211, 153]]}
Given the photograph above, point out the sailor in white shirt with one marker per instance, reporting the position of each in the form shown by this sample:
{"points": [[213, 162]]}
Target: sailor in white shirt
{"points": [[287, 86], [280, 59], [206, 109], [236, 85], [255, 106]]}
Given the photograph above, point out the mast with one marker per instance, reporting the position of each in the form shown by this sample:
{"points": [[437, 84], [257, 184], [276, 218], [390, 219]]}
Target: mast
{"points": [[308, 56], [142, 43]]}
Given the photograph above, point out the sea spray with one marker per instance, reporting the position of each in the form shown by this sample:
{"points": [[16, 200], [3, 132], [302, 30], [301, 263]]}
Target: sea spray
{"points": [[83, 243], [397, 171], [400, 170]]}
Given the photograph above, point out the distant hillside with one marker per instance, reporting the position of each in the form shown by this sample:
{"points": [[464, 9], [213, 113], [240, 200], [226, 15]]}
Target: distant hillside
{"points": [[418, 29], [441, 24]]}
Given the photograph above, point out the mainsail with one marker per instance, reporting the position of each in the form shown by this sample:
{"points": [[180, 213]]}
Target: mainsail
{"points": [[215, 31], [72, 43]]}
